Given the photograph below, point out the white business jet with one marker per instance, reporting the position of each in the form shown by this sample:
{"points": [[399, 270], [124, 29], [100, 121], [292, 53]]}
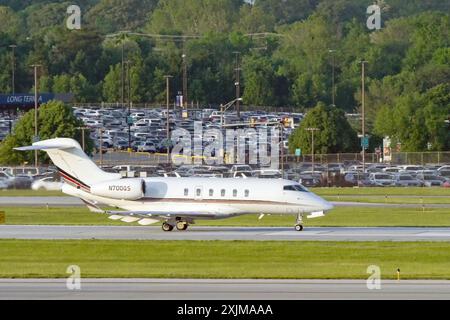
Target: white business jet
{"points": [[176, 202]]}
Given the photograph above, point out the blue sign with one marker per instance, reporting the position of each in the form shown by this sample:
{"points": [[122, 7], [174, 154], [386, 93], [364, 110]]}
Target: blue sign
{"points": [[25, 99], [364, 142], [298, 152]]}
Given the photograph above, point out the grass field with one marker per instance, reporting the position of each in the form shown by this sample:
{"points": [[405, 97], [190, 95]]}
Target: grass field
{"points": [[391, 199], [223, 259], [320, 191], [340, 216], [390, 191]]}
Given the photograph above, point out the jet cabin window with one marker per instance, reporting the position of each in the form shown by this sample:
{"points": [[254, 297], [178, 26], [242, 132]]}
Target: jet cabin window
{"points": [[186, 192], [222, 192], [294, 187], [211, 192], [246, 193], [234, 193]]}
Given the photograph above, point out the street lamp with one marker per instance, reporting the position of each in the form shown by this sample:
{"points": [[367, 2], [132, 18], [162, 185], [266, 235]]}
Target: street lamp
{"points": [[35, 138], [238, 84], [312, 130], [363, 116], [167, 114], [225, 107]]}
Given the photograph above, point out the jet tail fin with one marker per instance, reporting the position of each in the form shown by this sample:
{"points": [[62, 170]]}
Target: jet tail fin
{"points": [[73, 164]]}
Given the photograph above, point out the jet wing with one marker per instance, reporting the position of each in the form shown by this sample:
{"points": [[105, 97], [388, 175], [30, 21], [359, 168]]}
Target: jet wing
{"points": [[162, 215]]}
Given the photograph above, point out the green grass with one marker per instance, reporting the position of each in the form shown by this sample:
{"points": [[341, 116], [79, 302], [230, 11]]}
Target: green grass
{"points": [[340, 216], [223, 259], [390, 199], [30, 193], [390, 191]]}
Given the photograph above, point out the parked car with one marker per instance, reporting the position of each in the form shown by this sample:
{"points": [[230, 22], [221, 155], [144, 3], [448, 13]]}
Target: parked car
{"points": [[381, 180], [430, 180], [49, 184], [406, 180], [146, 147]]}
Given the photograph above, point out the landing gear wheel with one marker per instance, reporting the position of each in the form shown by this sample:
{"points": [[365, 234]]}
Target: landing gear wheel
{"points": [[298, 227], [181, 225], [167, 227]]}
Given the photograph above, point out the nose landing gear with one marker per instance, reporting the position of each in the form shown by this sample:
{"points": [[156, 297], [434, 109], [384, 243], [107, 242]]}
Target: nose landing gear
{"points": [[299, 222]]}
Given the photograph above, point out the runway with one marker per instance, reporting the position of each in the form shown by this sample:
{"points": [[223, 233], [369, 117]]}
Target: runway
{"points": [[71, 201], [209, 289], [225, 233]]}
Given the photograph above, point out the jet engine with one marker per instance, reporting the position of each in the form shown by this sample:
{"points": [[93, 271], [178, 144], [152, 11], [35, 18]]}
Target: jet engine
{"points": [[126, 189]]}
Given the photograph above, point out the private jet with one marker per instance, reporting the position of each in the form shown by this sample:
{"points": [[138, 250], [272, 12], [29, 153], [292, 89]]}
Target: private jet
{"points": [[175, 201]]}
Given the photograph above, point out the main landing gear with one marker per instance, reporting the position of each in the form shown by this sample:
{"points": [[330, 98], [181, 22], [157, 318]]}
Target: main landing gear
{"points": [[181, 225], [299, 222]]}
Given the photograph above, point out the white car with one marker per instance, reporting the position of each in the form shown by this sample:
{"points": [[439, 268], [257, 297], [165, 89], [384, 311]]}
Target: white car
{"points": [[48, 184]]}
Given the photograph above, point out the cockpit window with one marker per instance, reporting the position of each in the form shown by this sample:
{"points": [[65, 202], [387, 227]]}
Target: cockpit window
{"points": [[294, 187]]}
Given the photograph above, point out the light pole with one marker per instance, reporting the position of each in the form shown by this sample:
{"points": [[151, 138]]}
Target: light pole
{"points": [[312, 130], [185, 92], [129, 104], [13, 68], [167, 114], [35, 138], [225, 107], [333, 89], [83, 144], [363, 115], [238, 84]]}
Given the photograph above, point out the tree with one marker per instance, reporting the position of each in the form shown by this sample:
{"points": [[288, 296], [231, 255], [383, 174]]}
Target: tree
{"points": [[334, 135], [112, 84], [55, 119], [260, 81]]}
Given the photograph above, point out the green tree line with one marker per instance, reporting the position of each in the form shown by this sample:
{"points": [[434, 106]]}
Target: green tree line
{"points": [[288, 51]]}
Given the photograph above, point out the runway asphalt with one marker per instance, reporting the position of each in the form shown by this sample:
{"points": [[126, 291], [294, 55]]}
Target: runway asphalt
{"points": [[209, 289], [71, 201], [226, 233]]}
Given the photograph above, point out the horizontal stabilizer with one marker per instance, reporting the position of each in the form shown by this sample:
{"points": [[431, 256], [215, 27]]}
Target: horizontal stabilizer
{"points": [[45, 147]]}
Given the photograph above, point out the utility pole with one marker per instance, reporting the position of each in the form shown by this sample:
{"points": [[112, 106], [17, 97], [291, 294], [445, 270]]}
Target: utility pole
{"points": [[83, 142], [185, 90], [167, 115], [312, 130], [13, 68], [333, 87], [363, 115], [100, 132], [122, 76], [129, 103], [238, 84], [35, 138]]}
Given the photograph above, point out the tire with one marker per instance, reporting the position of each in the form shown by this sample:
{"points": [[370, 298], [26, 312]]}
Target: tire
{"points": [[167, 227], [298, 227], [181, 225]]}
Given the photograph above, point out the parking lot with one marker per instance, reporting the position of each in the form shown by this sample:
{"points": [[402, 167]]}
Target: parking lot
{"points": [[135, 144]]}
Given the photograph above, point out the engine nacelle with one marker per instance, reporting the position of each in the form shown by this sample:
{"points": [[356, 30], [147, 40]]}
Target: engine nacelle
{"points": [[126, 189]]}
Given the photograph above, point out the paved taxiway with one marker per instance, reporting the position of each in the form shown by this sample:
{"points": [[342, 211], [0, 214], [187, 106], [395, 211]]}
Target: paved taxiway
{"points": [[226, 233], [71, 201], [212, 289]]}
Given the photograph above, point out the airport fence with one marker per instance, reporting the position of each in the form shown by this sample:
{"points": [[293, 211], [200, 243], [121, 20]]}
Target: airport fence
{"points": [[401, 158]]}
